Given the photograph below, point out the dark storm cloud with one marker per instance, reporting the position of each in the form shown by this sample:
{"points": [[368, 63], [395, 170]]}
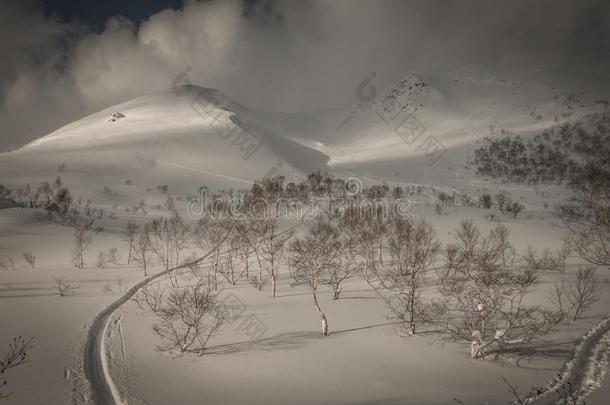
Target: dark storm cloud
{"points": [[95, 13], [274, 55]]}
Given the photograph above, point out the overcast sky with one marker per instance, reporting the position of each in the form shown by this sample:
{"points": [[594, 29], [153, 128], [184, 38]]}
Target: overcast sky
{"points": [[62, 60]]}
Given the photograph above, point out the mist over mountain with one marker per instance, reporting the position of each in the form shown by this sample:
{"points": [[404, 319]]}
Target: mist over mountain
{"points": [[288, 56]]}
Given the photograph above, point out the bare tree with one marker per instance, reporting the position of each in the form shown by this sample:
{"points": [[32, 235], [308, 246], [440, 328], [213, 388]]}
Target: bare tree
{"points": [[349, 262], [396, 253], [243, 245], [369, 230], [311, 258], [586, 214], [210, 234], [160, 240], [373, 225], [248, 230], [193, 265], [260, 280], [82, 241], [179, 234], [149, 298], [189, 317], [29, 258], [574, 298], [141, 251], [130, 233], [483, 300], [271, 246], [583, 292], [16, 355], [231, 267], [500, 243], [167, 238], [557, 297], [412, 251]]}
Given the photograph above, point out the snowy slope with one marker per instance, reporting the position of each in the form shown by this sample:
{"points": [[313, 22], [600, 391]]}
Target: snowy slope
{"points": [[187, 137], [422, 130], [185, 112]]}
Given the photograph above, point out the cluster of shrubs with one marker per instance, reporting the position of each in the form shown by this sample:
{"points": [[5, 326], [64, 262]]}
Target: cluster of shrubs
{"points": [[503, 202], [320, 184], [53, 198], [54, 203], [551, 156]]}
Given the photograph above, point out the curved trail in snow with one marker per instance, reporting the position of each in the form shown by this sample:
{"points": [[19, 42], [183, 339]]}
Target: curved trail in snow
{"points": [[103, 389]]}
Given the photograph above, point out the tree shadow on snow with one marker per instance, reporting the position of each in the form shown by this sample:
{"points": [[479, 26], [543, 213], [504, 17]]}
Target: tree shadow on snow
{"points": [[284, 341], [548, 350], [364, 327]]}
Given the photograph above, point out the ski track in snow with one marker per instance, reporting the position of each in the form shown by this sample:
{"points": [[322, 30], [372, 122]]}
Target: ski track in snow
{"points": [[585, 371]]}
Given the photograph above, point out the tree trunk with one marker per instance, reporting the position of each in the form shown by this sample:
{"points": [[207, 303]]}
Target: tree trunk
{"points": [[412, 304], [322, 316], [336, 293], [273, 283], [412, 315]]}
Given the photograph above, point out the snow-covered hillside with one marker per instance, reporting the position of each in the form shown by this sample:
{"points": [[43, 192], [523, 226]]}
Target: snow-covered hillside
{"points": [[422, 130], [187, 136]]}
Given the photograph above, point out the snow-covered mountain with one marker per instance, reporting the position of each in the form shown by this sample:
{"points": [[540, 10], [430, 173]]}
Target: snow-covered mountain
{"points": [[187, 136], [420, 130]]}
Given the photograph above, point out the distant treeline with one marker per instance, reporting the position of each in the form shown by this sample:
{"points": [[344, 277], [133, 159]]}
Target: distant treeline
{"points": [[553, 156]]}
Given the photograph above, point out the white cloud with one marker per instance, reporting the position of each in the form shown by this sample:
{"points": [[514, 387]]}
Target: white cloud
{"points": [[276, 55]]}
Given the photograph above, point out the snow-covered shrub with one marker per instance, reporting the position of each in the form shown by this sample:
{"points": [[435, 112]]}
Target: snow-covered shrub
{"points": [[82, 241], [113, 256], [64, 287], [485, 201], [7, 264], [101, 260], [105, 257]]}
